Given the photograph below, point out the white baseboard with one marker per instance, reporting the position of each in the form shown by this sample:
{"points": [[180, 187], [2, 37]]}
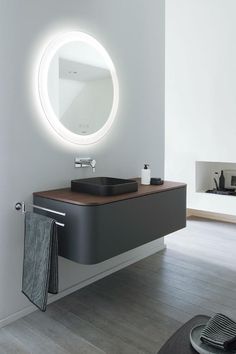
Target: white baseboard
{"points": [[29, 309], [210, 215]]}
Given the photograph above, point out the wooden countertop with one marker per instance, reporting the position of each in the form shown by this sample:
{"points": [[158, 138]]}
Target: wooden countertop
{"points": [[67, 196]]}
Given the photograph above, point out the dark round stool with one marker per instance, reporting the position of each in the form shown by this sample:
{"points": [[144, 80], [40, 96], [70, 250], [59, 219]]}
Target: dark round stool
{"points": [[179, 342]]}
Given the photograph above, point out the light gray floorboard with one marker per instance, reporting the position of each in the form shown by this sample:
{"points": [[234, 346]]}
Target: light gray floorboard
{"points": [[135, 310], [10, 344]]}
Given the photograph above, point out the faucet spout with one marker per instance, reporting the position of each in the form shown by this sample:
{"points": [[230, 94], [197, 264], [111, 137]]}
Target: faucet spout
{"points": [[81, 162]]}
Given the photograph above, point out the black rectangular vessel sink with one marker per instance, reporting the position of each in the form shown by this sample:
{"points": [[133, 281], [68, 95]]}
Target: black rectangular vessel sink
{"points": [[105, 186]]}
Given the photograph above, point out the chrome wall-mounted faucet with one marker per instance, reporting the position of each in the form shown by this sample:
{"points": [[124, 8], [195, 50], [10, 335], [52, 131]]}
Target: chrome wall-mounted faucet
{"points": [[81, 162]]}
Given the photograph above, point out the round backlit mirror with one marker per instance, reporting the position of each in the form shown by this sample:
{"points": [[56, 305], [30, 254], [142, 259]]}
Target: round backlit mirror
{"points": [[78, 87]]}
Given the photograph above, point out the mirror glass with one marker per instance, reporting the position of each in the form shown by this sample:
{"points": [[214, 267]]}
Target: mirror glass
{"points": [[78, 87]]}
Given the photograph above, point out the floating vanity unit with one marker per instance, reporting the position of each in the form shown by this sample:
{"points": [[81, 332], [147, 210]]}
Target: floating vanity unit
{"points": [[100, 227]]}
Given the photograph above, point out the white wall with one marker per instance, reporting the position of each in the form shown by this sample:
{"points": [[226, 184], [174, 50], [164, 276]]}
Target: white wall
{"points": [[33, 158], [200, 92]]}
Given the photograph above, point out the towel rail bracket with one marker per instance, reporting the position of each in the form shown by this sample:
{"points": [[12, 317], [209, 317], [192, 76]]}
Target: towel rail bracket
{"points": [[21, 206]]}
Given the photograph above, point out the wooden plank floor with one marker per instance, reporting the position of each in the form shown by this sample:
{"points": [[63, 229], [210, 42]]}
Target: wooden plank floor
{"points": [[136, 309]]}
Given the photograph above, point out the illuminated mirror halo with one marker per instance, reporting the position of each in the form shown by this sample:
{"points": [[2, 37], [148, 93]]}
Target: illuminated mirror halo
{"points": [[43, 77]]}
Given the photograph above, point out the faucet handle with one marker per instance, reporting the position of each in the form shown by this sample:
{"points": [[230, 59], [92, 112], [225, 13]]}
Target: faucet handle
{"points": [[93, 163]]}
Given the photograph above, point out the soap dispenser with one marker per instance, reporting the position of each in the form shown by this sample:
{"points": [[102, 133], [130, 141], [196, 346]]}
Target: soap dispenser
{"points": [[145, 175]]}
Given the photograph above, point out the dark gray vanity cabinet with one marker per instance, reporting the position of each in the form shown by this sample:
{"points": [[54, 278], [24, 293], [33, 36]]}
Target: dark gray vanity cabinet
{"points": [[98, 228]]}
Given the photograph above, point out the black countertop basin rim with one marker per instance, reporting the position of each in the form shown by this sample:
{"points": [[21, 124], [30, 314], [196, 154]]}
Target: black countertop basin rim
{"points": [[105, 186]]}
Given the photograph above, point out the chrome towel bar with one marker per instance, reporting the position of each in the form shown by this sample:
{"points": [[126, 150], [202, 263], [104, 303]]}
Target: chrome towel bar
{"points": [[21, 206]]}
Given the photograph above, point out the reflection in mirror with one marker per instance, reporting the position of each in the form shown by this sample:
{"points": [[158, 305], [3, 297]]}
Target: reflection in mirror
{"points": [[80, 88]]}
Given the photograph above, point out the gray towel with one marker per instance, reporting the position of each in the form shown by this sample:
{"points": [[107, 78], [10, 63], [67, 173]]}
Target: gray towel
{"points": [[40, 265], [220, 332]]}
